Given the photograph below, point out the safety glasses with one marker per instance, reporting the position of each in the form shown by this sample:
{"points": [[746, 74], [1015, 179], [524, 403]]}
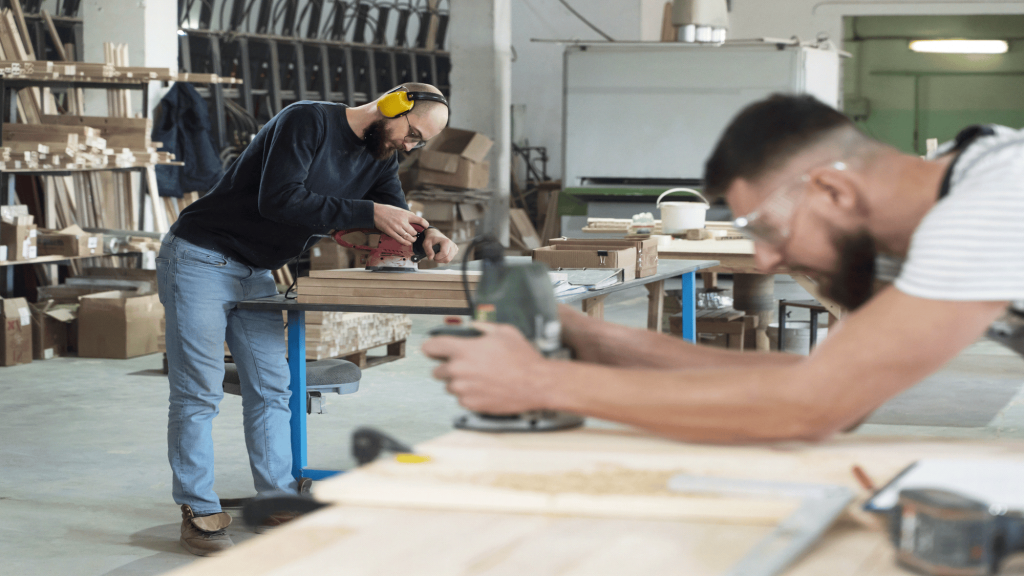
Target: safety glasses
{"points": [[771, 221], [416, 140]]}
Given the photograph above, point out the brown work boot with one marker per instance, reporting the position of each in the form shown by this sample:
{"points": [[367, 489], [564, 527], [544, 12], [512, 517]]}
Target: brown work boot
{"points": [[204, 535]]}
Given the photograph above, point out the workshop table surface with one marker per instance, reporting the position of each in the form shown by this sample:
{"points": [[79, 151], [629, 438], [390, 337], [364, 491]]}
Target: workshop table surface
{"points": [[737, 257], [666, 269], [517, 503], [592, 303], [734, 256]]}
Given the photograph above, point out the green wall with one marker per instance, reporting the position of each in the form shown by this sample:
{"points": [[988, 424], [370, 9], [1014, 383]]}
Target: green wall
{"points": [[889, 90]]}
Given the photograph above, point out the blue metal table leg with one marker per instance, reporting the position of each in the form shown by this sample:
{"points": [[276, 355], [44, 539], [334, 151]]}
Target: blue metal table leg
{"points": [[297, 402], [689, 301]]}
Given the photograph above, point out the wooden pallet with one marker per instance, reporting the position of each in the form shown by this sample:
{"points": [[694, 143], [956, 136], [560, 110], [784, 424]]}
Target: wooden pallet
{"points": [[395, 351], [361, 358]]}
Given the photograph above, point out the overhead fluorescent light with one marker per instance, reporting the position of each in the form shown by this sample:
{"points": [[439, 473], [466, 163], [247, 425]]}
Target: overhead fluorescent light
{"points": [[960, 46]]}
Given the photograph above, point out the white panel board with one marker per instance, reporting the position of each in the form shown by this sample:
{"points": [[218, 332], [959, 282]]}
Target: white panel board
{"points": [[654, 111]]}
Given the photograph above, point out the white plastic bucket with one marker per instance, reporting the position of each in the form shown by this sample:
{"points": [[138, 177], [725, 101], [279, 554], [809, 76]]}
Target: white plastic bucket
{"points": [[798, 336], [682, 216]]}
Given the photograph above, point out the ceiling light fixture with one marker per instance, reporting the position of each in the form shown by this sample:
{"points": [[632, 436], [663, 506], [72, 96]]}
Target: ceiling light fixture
{"points": [[960, 46]]}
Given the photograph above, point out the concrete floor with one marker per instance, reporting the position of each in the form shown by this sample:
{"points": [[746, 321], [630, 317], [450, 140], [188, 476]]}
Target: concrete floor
{"points": [[85, 485]]}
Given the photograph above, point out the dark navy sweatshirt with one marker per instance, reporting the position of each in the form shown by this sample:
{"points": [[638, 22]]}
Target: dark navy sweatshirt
{"points": [[305, 173]]}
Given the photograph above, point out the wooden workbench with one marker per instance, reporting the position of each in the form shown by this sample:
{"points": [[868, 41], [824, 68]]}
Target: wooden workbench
{"points": [[736, 257], [487, 504]]}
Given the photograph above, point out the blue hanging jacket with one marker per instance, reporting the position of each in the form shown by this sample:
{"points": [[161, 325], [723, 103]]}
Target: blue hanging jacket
{"points": [[184, 129]]}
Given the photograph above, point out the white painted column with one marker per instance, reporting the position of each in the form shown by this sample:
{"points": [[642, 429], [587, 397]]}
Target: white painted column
{"points": [[479, 40], [149, 27]]}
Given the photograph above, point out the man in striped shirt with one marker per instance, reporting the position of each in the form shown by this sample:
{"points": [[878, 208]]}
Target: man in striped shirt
{"points": [[817, 196]]}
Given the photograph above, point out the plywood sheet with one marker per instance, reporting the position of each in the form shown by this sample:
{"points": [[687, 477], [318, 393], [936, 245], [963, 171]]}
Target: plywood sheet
{"points": [[418, 276]]}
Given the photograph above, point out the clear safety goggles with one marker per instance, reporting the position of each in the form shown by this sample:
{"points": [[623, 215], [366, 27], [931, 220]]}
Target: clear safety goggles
{"points": [[771, 221]]}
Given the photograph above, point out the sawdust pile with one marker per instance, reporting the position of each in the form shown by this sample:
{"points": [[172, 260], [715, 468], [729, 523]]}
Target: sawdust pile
{"points": [[614, 481]]}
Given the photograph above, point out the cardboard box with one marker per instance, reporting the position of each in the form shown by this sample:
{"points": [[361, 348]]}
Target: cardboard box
{"points": [[468, 175], [118, 325], [71, 241], [15, 214], [452, 145], [647, 250], [20, 240], [437, 211], [586, 257], [16, 336], [131, 274], [458, 232], [452, 159], [50, 326], [329, 255]]}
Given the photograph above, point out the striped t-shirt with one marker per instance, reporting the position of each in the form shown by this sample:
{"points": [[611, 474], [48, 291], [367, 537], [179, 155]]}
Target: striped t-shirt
{"points": [[970, 245]]}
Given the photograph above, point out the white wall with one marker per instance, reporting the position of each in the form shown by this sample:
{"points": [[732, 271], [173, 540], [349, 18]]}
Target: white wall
{"points": [[537, 73], [481, 90], [148, 27], [537, 69], [808, 18]]}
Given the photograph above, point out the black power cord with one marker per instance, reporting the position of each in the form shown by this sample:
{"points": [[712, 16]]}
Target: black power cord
{"points": [[490, 251], [297, 260]]}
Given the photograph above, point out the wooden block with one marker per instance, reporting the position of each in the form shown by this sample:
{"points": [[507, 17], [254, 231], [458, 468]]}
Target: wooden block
{"points": [[381, 293], [594, 307], [383, 284], [365, 301], [720, 315], [419, 276]]}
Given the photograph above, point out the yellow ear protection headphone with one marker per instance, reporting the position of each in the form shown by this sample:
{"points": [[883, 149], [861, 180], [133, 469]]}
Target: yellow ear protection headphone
{"points": [[397, 102]]}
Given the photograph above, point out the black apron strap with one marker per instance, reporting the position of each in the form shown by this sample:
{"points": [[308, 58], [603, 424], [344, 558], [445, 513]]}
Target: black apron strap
{"points": [[962, 140]]}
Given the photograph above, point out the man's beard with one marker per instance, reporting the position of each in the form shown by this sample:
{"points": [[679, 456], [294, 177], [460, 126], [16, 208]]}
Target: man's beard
{"points": [[852, 282], [375, 139]]}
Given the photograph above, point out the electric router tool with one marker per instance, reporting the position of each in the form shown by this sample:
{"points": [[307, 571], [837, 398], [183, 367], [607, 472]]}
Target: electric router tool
{"points": [[389, 255], [520, 295]]}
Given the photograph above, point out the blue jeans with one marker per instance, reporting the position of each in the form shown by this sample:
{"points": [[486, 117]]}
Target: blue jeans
{"points": [[199, 289]]}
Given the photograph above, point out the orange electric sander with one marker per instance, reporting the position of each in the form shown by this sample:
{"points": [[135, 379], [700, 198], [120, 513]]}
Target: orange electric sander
{"points": [[389, 255]]}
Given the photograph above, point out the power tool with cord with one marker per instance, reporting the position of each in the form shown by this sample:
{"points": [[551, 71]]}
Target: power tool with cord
{"points": [[520, 295], [389, 255], [942, 533]]}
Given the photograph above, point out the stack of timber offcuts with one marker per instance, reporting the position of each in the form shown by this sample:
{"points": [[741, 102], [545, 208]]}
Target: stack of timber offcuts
{"points": [[338, 334], [422, 289]]}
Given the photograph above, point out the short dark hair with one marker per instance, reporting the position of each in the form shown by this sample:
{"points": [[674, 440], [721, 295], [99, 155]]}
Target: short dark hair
{"points": [[764, 135]]}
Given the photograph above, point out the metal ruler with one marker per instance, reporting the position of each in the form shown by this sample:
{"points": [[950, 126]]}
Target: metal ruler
{"points": [[820, 505]]}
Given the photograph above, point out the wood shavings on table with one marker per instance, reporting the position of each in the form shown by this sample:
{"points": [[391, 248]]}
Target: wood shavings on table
{"points": [[611, 481]]}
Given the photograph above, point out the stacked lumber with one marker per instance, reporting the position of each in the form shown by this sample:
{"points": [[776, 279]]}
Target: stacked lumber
{"points": [[614, 226], [422, 289], [625, 226], [337, 334], [97, 72], [86, 199]]}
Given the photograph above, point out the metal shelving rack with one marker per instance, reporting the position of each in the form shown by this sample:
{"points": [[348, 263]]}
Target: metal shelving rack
{"points": [[358, 54], [9, 88]]}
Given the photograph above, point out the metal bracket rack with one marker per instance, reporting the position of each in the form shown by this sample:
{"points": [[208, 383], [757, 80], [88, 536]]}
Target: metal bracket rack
{"points": [[340, 63]]}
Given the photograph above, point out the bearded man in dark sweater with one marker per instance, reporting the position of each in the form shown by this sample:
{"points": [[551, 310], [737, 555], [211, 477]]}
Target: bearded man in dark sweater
{"points": [[314, 168]]}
